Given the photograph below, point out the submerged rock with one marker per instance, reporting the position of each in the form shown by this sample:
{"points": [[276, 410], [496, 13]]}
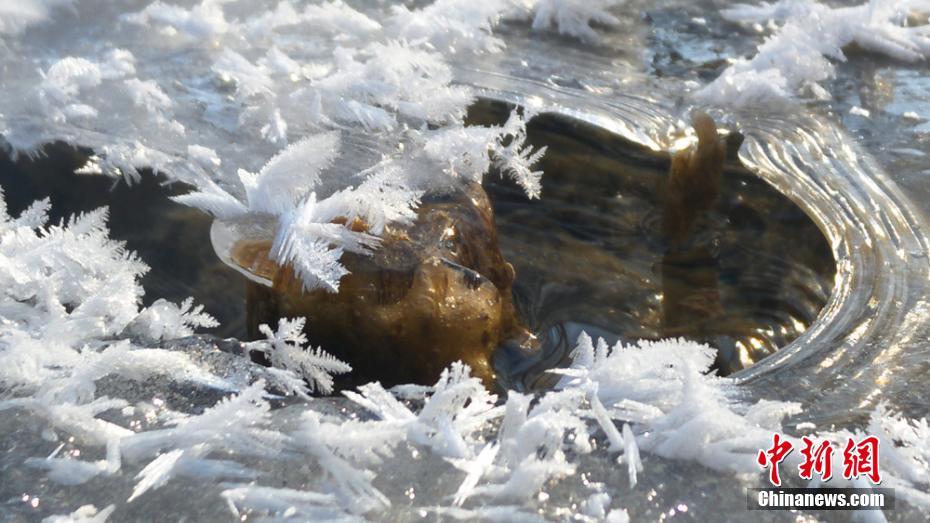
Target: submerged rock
{"points": [[435, 291]]}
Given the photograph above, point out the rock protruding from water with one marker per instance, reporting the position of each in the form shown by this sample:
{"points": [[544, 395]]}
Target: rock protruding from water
{"points": [[434, 292], [693, 182]]}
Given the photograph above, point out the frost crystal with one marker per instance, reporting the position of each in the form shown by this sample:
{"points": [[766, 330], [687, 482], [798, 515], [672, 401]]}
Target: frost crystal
{"points": [[649, 398], [202, 21], [84, 514], [905, 458], [64, 287], [164, 320], [796, 59], [516, 159], [284, 349], [573, 17], [311, 116], [384, 86], [233, 425], [281, 502]]}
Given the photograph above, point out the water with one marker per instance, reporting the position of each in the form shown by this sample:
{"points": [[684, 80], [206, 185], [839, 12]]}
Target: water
{"points": [[589, 254], [862, 186]]}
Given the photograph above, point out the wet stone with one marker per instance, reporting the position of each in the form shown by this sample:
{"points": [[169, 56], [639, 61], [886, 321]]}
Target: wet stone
{"points": [[434, 292]]}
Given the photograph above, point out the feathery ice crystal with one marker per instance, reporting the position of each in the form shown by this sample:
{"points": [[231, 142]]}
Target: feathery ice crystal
{"points": [[383, 86], [636, 401], [796, 59]]}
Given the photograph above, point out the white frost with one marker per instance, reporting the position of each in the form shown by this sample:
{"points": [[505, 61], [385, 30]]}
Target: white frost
{"points": [[797, 58], [357, 76], [353, 116], [284, 349], [84, 514]]}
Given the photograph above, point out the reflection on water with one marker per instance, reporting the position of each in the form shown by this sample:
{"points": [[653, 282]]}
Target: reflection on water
{"points": [[590, 255]]}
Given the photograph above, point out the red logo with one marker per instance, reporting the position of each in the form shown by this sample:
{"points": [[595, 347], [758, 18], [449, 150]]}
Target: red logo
{"points": [[859, 458], [773, 456], [817, 459]]}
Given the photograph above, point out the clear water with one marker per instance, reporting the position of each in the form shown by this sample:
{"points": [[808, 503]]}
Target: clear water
{"points": [[589, 255]]}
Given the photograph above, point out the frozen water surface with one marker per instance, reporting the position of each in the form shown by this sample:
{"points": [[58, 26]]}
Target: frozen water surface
{"points": [[289, 113]]}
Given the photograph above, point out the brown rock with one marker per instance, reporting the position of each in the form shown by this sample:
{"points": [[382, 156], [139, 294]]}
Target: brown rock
{"points": [[436, 291], [693, 182]]}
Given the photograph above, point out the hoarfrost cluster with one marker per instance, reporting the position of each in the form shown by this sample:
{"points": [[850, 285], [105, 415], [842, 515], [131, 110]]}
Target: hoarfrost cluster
{"points": [[380, 86], [71, 316], [796, 60]]}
